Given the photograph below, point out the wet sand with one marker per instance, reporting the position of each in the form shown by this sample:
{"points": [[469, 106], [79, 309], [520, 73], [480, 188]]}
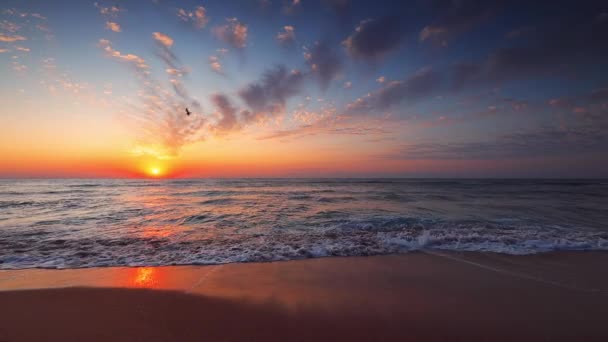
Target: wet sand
{"points": [[416, 297]]}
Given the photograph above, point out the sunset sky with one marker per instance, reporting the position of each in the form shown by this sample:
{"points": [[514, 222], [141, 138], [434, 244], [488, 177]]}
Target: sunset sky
{"points": [[330, 88]]}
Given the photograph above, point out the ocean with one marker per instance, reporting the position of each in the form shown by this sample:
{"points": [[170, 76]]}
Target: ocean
{"points": [[77, 223]]}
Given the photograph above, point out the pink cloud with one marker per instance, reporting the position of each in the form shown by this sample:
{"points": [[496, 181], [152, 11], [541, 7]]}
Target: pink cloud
{"points": [[139, 62], [233, 33], [163, 39], [111, 11], [215, 64], [198, 18], [287, 36]]}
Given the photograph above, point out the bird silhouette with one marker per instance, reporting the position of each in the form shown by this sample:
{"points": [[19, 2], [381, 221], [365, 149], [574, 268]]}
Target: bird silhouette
{"points": [[188, 112]]}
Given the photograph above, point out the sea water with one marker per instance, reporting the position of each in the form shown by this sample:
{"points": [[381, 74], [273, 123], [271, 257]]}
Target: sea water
{"points": [[98, 222]]}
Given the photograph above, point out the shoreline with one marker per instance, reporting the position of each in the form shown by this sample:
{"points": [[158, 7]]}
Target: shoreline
{"points": [[406, 252], [425, 296]]}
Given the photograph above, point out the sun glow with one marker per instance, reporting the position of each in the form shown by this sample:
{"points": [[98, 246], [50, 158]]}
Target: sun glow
{"points": [[154, 171]]}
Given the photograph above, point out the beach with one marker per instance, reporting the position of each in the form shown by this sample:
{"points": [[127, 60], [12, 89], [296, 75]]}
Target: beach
{"points": [[420, 296]]}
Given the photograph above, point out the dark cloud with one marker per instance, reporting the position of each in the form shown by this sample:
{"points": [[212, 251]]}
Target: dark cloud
{"points": [[291, 6], [591, 107], [374, 38], [422, 84], [227, 113], [268, 97], [325, 63], [455, 18], [542, 143], [600, 94], [553, 50]]}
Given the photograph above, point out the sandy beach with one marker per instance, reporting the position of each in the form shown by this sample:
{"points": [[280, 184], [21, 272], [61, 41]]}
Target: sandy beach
{"points": [[418, 296]]}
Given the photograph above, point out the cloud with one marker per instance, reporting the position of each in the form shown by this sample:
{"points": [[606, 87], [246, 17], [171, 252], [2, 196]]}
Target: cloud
{"points": [[422, 84], [132, 59], [600, 94], [112, 26], [111, 11], [216, 65], [429, 32], [267, 97], [287, 36], [291, 6], [324, 62], [4, 50], [455, 18], [22, 21], [539, 143], [226, 112], [11, 27], [233, 33], [198, 18], [175, 72], [18, 67], [11, 38], [163, 39], [381, 79], [590, 106], [159, 118], [347, 85], [374, 38], [555, 49], [327, 121], [56, 79], [22, 49]]}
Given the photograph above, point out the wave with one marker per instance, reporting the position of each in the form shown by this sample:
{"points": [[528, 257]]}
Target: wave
{"points": [[16, 204], [380, 235]]}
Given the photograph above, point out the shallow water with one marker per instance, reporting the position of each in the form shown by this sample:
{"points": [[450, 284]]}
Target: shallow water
{"points": [[86, 223]]}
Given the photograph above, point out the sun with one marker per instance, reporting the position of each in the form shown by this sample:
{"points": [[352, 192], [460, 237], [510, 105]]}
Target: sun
{"points": [[154, 171]]}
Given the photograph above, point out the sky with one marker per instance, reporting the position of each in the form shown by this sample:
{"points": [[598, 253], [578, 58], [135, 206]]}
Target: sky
{"points": [[304, 88]]}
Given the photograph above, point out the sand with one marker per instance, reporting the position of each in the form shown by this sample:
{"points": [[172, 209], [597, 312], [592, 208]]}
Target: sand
{"points": [[426, 296]]}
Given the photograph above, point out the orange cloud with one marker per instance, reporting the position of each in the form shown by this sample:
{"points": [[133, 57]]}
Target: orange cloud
{"points": [[163, 39], [9, 39], [112, 26], [216, 66]]}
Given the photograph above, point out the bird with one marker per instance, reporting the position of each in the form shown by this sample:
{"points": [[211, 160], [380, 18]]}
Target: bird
{"points": [[188, 112]]}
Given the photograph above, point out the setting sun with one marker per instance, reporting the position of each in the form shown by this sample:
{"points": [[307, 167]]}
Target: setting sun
{"points": [[154, 171]]}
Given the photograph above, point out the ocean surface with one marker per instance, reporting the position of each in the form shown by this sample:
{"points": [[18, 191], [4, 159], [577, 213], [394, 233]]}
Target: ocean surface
{"points": [[87, 223]]}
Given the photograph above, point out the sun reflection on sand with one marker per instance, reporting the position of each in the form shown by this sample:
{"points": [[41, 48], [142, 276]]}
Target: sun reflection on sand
{"points": [[145, 277]]}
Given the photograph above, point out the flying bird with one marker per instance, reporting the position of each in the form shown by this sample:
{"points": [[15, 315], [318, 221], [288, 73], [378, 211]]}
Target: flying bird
{"points": [[188, 112]]}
